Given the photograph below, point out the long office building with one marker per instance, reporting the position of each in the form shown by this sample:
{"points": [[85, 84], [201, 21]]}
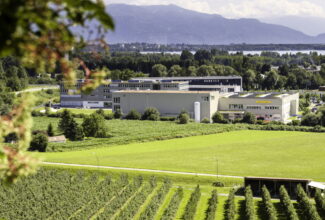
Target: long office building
{"points": [[101, 97], [206, 83]]}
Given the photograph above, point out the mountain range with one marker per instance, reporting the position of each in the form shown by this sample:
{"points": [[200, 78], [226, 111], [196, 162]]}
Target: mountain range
{"points": [[168, 24]]}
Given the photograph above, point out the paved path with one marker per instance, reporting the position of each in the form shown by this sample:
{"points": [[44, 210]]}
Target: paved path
{"points": [[38, 89], [142, 170]]}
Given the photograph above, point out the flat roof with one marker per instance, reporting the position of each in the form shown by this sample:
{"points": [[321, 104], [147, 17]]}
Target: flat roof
{"points": [[276, 179], [261, 95], [187, 78], [166, 91]]}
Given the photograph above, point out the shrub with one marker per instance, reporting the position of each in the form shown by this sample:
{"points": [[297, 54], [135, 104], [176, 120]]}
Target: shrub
{"points": [[133, 115], [167, 118], [151, 114], [39, 143], [308, 210], [212, 206], [172, 208], [295, 122], [230, 208], [268, 205], [310, 119], [118, 114], [183, 118], [287, 204], [191, 205], [205, 121], [94, 126], [218, 118], [249, 118], [249, 204]]}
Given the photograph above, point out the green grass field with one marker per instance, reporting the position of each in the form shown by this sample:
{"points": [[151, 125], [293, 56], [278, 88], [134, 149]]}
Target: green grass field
{"points": [[242, 153], [128, 131]]}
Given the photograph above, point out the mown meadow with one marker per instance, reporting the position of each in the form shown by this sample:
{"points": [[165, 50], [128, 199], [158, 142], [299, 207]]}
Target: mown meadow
{"points": [[240, 153]]}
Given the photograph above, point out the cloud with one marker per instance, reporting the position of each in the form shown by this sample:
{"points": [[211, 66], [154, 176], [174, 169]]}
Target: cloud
{"points": [[243, 8], [270, 8]]}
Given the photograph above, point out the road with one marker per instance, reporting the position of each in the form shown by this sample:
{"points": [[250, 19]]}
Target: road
{"points": [[141, 170]]}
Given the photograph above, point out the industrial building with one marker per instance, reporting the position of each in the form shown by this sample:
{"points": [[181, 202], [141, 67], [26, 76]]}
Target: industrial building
{"points": [[265, 106], [101, 97], [273, 106], [206, 83], [198, 104]]}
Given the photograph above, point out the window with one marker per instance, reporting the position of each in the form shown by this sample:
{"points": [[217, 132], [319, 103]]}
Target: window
{"points": [[253, 107], [205, 98], [106, 90], [236, 106], [107, 96], [117, 100], [272, 107], [117, 107]]}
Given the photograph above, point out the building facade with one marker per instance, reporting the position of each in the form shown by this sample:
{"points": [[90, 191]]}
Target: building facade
{"points": [[266, 106], [198, 104], [101, 97], [207, 83]]}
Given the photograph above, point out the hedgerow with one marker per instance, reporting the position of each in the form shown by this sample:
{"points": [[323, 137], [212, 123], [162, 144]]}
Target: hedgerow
{"points": [[249, 204], [191, 205], [268, 205], [151, 209], [212, 206], [287, 205], [173, 205], [230, 208], [133, 206], [308, 210]]}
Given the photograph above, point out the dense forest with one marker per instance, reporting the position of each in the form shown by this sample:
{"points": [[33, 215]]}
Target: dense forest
{"points": [[267, 71]]}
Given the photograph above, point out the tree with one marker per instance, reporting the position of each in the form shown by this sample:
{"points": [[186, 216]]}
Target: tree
{"points": [[50, 131], [217, 117], [151, 114], [158, 70], [271, 79], [94, 126], [186, 55], [249, 118], [175, 70], [205, 70], [249, 79], [191, 71], [39, 143], [203, 56], [65, 121], [133, 115]]}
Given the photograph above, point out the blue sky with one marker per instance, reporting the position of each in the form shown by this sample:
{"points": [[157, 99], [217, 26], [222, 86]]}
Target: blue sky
{"points": [[244, 8]]}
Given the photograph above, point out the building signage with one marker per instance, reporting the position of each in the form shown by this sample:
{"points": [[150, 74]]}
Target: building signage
{"points": [[264, 102]]}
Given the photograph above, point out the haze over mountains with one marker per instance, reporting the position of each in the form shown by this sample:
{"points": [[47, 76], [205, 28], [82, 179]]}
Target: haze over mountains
{"points": [[168, 24]]}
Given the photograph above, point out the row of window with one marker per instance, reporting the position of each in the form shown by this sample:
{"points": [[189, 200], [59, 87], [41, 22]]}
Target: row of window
{"points": [[252, 107], [134, 85]]}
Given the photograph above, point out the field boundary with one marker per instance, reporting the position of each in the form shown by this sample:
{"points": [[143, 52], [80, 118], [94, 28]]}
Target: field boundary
{"points": [[142, 170]]}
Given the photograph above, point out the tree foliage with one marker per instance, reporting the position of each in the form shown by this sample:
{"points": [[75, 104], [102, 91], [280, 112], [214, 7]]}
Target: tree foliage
{"points": [[38, 32]]}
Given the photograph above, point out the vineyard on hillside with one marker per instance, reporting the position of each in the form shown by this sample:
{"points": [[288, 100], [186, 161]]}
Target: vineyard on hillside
{"points": [[54, 194]]}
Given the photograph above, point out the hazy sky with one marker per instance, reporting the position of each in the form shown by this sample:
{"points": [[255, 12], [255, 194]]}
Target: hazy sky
{"points": [[243, 8]]}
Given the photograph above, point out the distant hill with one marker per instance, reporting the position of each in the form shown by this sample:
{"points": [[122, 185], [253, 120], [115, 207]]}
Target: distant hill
{"points": [[168, 24]]}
